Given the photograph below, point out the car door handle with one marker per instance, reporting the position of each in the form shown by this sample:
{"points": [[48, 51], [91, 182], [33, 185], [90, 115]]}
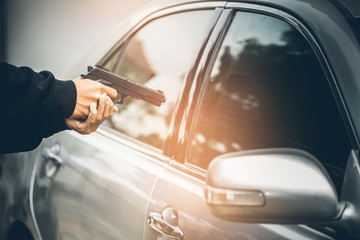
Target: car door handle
{"points": [[166, 223], [53, 160], [52, 155]]}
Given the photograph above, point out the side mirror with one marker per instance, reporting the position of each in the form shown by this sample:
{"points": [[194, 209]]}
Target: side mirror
{"points": [[271, 186]]}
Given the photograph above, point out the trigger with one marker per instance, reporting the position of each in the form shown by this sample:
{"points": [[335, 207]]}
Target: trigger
{"points": [[122, 99]]}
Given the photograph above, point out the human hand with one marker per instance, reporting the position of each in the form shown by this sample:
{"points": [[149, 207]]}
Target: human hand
{"points": [[88, 92], [105, 110]]}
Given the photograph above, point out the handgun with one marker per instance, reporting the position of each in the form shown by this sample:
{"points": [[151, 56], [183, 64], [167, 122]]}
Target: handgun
{"points": [[124, 86]]}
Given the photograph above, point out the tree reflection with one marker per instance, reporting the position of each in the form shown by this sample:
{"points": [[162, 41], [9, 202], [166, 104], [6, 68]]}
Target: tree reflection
{"points": [[159, 55], [265, 96], [137, 118], [134, 64]]}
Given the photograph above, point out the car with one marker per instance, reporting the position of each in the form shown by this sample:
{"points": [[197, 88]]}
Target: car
{"points": [[258, 137]]}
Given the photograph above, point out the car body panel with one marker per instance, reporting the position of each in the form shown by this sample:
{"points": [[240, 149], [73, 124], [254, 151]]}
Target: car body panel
{"points": [[312, 33], [351, 6], [186, 194], [16, 178], [99, 191], [351, 215], [105, 185]]}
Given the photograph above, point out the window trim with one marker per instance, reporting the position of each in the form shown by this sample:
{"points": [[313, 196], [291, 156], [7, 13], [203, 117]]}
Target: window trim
{"points": [[309, 37], [178, 138], [133, 143], [159, 14]]}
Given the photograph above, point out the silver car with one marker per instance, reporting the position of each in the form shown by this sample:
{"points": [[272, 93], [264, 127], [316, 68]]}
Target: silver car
{"points": [[258, 137]]}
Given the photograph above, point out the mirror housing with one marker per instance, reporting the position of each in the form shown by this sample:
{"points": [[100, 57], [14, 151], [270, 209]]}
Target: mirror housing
{"points": [[271, 186]]}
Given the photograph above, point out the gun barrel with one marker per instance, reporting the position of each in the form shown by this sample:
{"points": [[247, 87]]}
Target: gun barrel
{"points": [[125, 86]]}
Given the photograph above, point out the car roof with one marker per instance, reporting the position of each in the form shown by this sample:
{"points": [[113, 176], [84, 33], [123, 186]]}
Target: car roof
{"points": [[352, 6]]}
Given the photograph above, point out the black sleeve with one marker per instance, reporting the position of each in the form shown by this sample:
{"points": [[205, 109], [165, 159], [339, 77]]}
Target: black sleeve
{"points": [[35, 106]]}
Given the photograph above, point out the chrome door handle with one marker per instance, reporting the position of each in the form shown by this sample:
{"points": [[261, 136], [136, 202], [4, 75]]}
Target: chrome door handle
{"points": [[53, 159], [159, 222], [52, 154]]}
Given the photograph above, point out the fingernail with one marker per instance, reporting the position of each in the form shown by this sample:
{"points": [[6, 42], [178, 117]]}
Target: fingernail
{"points": [[116, 109]]}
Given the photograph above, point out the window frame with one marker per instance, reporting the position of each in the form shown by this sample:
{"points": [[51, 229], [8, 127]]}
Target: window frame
{"points": [[315, 46], [165, 11]]}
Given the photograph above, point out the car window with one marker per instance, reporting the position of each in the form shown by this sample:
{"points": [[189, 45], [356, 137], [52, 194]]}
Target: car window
{"points": [[268, 90], [159, 56]]}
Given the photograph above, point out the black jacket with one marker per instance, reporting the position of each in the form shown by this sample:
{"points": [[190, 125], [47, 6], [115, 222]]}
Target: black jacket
{"points": [[33, 106]]}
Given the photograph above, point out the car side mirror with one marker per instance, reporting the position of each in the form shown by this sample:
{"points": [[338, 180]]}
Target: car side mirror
{"points": [[271, 186]]}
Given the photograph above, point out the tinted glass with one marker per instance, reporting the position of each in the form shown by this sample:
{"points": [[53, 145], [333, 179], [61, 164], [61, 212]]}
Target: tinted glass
{"points": [[268, 90], [159, 55]]}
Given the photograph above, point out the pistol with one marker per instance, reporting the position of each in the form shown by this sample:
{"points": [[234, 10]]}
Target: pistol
{"points": [[124, 86]]}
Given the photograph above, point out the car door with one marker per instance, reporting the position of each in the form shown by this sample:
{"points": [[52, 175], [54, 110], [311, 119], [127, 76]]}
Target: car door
{"points": [[98, 186], [265, 88]]}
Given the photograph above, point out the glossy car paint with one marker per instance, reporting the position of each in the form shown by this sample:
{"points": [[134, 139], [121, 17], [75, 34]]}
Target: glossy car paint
{"points": [[351, 215], [108, 184], [101, 191], [186, 194], [15, 202], [259, 196]]}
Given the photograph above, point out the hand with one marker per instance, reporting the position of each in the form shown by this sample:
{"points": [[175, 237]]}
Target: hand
{"points": [[105, 110], [88, 92]]}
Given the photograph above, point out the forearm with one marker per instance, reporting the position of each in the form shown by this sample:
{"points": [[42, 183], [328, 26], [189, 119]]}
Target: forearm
{"points": [[30, 93], [35, 106]]}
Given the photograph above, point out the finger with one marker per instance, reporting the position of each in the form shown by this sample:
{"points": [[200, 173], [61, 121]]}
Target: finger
{"points": [[92, 115], [112, 93], [101, 107], [87, 92], [87, 127], [90, 124], [109, 109]]}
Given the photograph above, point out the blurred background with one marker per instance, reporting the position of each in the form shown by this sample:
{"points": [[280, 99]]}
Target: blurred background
{"points": [[55, 34]]}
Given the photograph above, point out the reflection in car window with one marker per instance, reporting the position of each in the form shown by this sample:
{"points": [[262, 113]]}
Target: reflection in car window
{"points": [[267, 90], [159, 55]]}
